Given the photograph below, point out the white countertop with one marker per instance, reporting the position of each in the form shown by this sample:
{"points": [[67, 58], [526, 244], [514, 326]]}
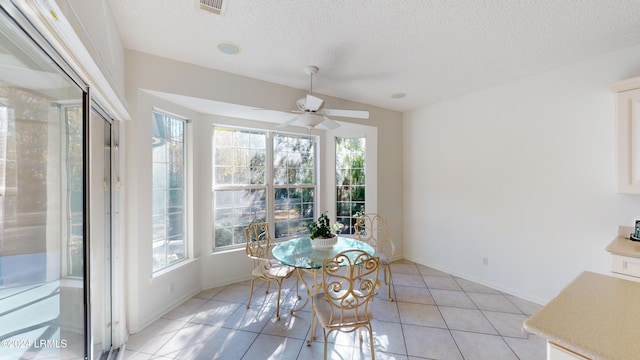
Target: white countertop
{"points": [[597, 316], [625, 247]]}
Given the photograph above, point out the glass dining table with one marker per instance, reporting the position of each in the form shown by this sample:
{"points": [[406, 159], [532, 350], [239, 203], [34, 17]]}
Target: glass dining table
{"points": [[299, 254]]}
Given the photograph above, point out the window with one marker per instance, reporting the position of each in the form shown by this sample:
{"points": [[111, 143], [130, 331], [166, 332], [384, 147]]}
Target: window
{"points": [[168, 179], [294, 184], [350, 180], [239, 182], [247, 186]]}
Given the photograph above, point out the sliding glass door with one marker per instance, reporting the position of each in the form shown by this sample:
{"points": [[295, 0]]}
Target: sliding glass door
{"points": [[100, 152], [55, 269]]}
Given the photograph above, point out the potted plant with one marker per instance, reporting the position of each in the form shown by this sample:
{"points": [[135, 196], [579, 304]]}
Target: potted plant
{"points": [[322, 232]]}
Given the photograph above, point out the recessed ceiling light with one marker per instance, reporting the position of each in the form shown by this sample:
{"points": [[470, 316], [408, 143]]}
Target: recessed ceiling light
{"points": [[228, 48], [398, 95]]}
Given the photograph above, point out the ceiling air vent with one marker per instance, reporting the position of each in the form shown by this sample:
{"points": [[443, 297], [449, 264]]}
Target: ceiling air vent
{"points": [[214, 6]]}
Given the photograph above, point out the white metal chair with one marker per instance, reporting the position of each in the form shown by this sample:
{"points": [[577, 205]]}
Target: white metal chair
{"points": [[349, 286], [264, 267], [372, 229]]}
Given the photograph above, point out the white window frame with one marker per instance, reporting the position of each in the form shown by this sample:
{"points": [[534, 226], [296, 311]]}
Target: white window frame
{"points": [[269, 181], [370, 133], [350, 201], [240, 187], [186, 192]]}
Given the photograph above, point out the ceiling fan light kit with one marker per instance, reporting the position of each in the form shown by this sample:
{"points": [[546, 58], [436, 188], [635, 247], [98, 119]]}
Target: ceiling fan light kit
{"points": [[309, 120]]}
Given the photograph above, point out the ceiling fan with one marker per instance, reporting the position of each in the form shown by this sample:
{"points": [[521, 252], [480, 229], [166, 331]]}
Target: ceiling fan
{"points": [[312, 112]]}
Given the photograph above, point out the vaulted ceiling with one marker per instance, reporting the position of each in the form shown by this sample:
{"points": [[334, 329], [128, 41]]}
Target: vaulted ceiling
{"points": [[369, 50]]}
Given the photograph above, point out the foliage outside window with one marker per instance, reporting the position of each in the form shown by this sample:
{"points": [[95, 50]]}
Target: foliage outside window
{"points": [[241, 179], [294, 183], [239, 182], [350, 181], [168, 179]]}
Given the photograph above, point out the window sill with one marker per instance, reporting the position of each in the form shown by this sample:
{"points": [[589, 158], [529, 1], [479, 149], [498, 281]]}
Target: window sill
{"points": [[227, 251], [174, 267], [242, 248]]}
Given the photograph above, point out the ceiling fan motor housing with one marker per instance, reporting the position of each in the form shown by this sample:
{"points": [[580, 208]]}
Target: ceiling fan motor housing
{"points": [[311, 70]]}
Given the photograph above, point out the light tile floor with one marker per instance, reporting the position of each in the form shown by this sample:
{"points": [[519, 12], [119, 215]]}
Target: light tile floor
{"points": [[435, 316]]}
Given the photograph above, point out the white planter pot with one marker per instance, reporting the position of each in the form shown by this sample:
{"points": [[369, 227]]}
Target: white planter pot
{"points": [[324, 243]]}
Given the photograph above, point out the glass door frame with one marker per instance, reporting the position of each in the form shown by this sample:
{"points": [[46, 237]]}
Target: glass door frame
{"points": [[15, 12]]}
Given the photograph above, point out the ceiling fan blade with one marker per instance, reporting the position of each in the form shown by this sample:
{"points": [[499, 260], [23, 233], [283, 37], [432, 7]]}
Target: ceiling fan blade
{"points": [[329, 124], [313, 103], [288, 122], [360, 114]]}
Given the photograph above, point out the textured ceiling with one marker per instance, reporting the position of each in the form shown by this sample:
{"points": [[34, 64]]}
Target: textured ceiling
{"points": [[369, 49]]}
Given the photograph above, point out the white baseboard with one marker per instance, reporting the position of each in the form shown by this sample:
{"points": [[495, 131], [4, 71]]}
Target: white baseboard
{"points": [[480, 281], [158, 314]]}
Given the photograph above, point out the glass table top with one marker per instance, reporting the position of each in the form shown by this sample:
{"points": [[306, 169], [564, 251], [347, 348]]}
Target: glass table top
{"points": [[299, 253]]}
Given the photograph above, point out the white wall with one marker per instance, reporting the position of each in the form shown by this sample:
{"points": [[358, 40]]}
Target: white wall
{"points": [[93, 23], [148, 297], [523, 174]]}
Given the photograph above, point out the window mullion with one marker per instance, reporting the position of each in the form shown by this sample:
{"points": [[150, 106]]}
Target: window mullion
{"points": [[269, 173]]}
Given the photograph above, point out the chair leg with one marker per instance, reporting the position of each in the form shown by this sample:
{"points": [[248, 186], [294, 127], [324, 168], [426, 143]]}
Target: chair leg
{"points": [[268, 284], [326, 339], [387, 280], [373, 351], [312, 327], [250, 293], [278, 302]]}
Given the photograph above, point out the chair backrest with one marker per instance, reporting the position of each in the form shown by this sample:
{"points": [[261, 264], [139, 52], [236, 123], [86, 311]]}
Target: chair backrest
{"points": [[349, 283], [258, 239], [372, 229]]}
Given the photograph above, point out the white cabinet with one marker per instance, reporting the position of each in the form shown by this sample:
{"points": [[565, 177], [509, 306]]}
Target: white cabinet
{"points": [[555, 352], [627, 266], [625, 257], [628, 134]]}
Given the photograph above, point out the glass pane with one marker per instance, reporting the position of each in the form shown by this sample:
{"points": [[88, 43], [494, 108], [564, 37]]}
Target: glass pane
{"points": [[294, 161], [159, 254], [350, 180], [224, 156], [223, 199], [159, 152], [233, 210], [241, 175], [168, 185], [159, 227], [159, 176], [41, 205], [176, 178], [176, 200], [294, 164], [293, 210], [175, 223], [159, 201], [239, 236], [239, 156], [223, 175], [240, 160], [280, 176], [175, 250]]}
